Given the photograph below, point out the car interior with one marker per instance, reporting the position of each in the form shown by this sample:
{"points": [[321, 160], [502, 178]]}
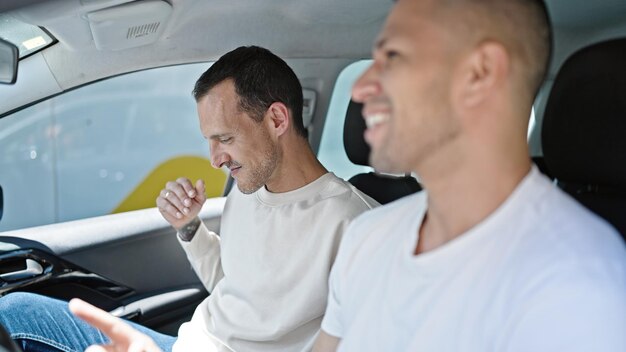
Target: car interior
{"points": [[130, 263], [6, 343], [383, 188], [582, 144]]}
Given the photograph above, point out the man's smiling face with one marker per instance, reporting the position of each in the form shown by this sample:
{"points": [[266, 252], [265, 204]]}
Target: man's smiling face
{"points": [[406, 91]]}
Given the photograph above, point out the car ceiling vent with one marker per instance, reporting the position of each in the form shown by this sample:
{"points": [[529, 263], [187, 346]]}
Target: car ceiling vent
{"points": [[129, 25], [140, 31]]}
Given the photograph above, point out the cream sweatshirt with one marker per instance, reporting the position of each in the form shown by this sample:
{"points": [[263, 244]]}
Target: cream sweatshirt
{"points": [[268, 271]]}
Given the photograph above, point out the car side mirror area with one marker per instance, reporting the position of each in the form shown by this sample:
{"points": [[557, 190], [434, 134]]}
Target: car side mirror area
{"points": [[8, 62], [6, 342], [1, 203]]}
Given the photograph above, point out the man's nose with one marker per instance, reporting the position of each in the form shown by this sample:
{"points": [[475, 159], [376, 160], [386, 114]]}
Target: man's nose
{"points": [[368, 85], [218, 159]]}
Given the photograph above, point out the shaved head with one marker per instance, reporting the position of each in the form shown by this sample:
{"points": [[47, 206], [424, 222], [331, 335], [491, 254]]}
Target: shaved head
{"points": [[450, 77], [521, 26]]}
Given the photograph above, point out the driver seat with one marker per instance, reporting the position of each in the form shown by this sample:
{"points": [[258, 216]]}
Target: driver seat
{"points": [[583, 129]]}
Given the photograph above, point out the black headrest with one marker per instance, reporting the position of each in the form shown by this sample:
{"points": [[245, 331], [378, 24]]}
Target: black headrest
{"points": [[353, 141], [584, 124]]}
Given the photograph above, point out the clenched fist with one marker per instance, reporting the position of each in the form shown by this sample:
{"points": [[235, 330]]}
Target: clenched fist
{"points": [[180, 202]]}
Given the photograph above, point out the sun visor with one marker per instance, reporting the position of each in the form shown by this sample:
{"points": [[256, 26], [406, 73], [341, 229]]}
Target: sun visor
{"points": [[129, 25]]}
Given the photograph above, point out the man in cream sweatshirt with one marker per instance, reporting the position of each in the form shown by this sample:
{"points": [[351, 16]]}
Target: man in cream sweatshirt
{"points": [[267, 271], [281, 226]]}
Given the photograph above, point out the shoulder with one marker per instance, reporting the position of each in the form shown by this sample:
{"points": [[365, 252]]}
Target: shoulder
{"points": [[571, 289], [342, 193], [561, 245], [570, 232]]}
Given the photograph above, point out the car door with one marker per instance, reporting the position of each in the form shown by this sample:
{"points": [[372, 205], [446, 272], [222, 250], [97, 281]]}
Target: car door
{"points": [[127, 263], [80, 173]]}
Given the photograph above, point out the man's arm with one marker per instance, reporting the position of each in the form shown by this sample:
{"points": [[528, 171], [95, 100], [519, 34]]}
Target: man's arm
{"points": [[187, 232], [326, 342], [180, 203], [333, 321], [204, 254]]}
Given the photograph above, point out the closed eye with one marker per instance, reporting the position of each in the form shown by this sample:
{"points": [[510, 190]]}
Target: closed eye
{"points": [[390, 54]]}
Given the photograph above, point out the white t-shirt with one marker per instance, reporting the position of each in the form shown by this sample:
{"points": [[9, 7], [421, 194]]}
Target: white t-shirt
{"points": [[268, 277], [541, 273]]}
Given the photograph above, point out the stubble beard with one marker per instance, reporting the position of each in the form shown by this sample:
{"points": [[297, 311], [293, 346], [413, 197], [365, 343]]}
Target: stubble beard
{"points": [[260, 174], [383, 161], [403, 154]]}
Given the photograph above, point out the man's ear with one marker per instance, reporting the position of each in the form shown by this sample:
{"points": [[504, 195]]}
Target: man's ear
{"points": [[483, 73], [279, 118]]}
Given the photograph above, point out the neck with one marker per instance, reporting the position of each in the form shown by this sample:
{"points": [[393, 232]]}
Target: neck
{"points": [[297, 167], [464, 193]]}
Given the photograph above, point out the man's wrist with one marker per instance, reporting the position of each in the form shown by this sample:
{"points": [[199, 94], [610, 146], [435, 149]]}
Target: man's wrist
{"points": [[187, 232]]}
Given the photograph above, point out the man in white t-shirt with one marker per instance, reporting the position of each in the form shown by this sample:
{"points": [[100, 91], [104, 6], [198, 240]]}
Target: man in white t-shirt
{"points": [[280, 229], [492, 256]]}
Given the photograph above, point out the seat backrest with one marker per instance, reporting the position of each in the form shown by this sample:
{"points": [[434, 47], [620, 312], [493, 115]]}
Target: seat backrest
{"points": [[584, 129], [383, 188], [540, 162]]}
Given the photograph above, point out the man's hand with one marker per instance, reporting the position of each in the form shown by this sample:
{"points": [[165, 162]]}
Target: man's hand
{"points": [[180, 202], [123, 337]]}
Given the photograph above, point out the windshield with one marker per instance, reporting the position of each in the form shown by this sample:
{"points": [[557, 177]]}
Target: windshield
{"points": [[28, 38]]}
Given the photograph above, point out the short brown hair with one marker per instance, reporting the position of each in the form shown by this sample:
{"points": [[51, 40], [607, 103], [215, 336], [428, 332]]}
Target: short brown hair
{"points": [[261, 78]]}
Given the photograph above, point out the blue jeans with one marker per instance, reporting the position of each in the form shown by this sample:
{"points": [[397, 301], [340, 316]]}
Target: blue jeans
{"points": [[38, 323]]}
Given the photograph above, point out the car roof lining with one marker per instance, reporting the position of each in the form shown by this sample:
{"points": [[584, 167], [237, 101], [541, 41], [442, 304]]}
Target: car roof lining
{"points": [[200, 31]]}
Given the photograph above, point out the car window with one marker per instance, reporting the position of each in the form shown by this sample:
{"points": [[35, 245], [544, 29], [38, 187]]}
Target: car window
{"points": [[103, 148], [331, 152]]}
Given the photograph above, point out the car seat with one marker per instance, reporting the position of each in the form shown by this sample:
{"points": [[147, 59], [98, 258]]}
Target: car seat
{"points": [[383, 188], [584, 129]]}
